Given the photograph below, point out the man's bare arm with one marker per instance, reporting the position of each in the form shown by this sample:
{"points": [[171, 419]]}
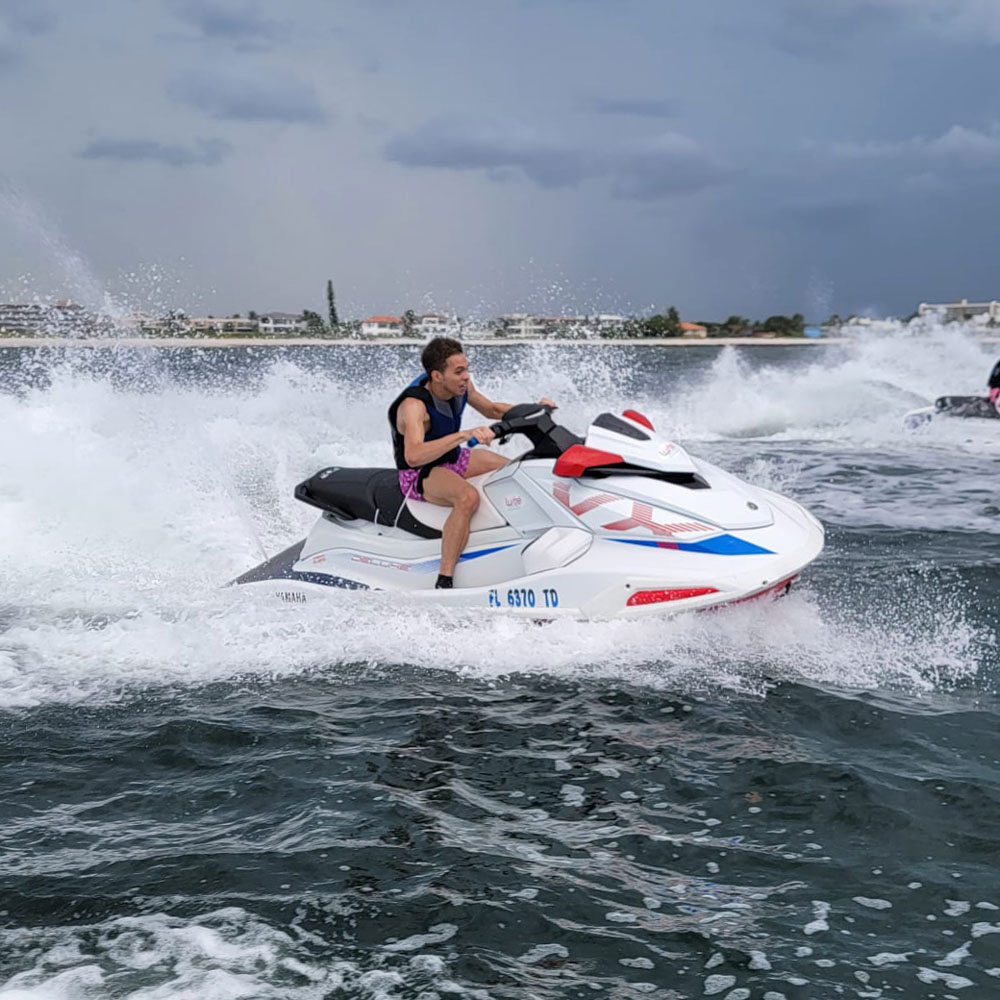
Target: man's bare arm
{"points": [[416, 450], [491, 410]]}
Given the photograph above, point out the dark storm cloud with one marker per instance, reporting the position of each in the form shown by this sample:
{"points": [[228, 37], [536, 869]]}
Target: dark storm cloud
{"points": [[641, 107], [827, 218], [459, 145], [25, 17], [20, 19], [807, 29], [656, 168], [240, 22], [205, 152], [248, 98], [663, 167]]}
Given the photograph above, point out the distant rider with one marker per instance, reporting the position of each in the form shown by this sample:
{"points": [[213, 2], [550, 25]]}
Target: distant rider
{"points": [[994, 387], [426, 422]]}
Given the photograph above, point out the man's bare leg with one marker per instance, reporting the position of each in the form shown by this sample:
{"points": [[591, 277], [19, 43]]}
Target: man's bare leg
{"points": [[482, 460], [449, 489]]}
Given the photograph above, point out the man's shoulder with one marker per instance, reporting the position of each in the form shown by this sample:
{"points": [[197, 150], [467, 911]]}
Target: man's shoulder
{"points": [[413, 408], [414, 390]]}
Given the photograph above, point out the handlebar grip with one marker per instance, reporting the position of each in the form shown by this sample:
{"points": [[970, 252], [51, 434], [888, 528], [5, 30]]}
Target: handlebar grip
{"points": [[472, 442]]}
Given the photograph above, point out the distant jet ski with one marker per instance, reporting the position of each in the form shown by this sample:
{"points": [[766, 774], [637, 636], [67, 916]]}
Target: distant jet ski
{"points": [[963, 407], [623, 523]]}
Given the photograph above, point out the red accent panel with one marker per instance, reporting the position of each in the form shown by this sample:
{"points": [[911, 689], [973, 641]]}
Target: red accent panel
{"points": [[659, 596], [638, 418], [576, 459]]}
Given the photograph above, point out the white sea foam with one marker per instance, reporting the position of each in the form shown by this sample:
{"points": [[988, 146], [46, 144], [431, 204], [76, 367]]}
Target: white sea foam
{"points": [[127, 499], [871, 903], [225, 953], [856, 394], [716, 984]]}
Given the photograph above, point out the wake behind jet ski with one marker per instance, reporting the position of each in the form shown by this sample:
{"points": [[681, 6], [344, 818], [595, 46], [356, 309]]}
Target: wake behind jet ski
{"points": [[963, 407], [621, 522]]}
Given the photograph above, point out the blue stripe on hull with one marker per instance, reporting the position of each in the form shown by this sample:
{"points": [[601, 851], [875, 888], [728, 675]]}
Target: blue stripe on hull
{"points": [[429, 565], [721, 545]]}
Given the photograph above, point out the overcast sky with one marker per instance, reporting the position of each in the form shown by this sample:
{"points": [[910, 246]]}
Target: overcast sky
{"points": [[485, 156]]}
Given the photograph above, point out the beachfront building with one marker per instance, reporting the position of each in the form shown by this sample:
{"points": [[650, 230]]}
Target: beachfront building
{"points": [[606, 321], [381, 326], [695, 330], [276, 323], [223, 324], [476, 330], [565, 326], [16, 317], [521, 326], [962, 311], [435, 325], [140, 322], [64, 318]]}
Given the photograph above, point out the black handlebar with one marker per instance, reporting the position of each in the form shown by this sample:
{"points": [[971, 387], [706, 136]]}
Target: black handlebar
{"points": [[522, 417]]}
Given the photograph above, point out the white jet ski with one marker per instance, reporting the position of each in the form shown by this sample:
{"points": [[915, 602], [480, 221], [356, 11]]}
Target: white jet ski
{"points": [[622, 523], [976, 408]]}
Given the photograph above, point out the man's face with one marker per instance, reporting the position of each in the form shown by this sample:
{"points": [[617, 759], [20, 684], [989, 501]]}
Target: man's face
{"points": [[455, 377]]}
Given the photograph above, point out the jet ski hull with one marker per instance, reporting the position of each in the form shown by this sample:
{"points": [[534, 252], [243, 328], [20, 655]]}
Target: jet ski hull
{"points": [[545, 598], [564, 572]]}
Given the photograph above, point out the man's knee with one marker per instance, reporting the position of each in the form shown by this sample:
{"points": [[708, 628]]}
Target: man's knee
{"points": [[467, 500]]}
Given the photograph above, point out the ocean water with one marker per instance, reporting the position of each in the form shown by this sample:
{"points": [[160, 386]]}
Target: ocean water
{"points": [[204, 795]]}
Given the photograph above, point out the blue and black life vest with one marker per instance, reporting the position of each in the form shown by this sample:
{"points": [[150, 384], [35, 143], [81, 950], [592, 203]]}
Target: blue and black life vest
{"points": [[445, 417]]}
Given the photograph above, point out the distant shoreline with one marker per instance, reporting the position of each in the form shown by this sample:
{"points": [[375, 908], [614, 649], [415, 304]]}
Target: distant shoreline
{"points": [[97, 343], [108, 342]]}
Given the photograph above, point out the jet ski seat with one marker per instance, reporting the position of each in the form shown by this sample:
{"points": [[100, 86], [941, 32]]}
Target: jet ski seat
{"points": [[363, 494]]}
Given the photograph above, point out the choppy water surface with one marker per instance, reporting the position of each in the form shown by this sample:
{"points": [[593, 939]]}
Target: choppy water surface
{"points": [[204, 795]]}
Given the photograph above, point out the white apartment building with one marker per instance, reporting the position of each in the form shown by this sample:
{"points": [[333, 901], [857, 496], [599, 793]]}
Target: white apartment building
{"points": [[962, 311], [604, 320], [435, 325], [281, 322], [381, 326], [62, 318], [522, 326], [223, 324]]}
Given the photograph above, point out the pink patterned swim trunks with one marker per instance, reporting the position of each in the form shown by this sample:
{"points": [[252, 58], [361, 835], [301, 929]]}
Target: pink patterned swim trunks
{"points": [[408, 477]]}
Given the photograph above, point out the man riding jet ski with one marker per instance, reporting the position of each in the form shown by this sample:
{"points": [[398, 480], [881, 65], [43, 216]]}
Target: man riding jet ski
{"points": [[425, 420], [977, 407], [622, 522]]}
